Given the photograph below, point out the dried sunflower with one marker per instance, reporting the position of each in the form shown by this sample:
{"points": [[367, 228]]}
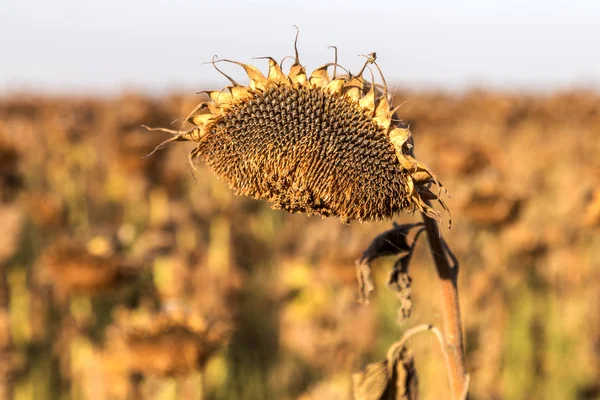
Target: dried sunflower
{"points": [[318, 144], [73, 269], [164, 345]]}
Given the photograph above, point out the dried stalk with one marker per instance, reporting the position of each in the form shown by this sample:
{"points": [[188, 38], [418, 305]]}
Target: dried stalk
{"points": [[447, 269]]}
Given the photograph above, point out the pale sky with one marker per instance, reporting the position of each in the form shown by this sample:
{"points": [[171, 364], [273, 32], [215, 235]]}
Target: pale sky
{"points": [[115, 45]]}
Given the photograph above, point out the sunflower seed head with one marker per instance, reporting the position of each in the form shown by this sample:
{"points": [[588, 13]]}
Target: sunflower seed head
{"points": [[312, 144]]}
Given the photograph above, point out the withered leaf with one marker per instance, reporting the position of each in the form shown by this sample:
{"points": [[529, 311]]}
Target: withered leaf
{"points": [[372, 382], [400, 283], [365, 281], [392, 379], [389, 243]]}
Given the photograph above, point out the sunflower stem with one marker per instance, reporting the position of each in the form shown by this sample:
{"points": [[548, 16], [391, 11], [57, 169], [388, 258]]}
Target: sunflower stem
{"points": [[447, 269]]}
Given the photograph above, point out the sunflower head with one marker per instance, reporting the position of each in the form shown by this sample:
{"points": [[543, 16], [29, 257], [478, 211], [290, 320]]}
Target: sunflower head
{"points": [[165, 345], [320, 144], [75, 268]]}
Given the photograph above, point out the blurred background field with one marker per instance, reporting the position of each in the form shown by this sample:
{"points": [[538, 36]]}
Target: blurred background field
{"points": [[125, 276]]}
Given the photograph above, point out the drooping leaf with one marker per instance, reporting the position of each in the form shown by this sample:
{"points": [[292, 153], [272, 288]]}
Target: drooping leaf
{"points": [[392, 379], [389, 243], [365, 281], [400, 283], [372, 382]]}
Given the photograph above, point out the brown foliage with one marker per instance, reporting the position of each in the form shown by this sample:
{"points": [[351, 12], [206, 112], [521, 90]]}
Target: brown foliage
{"points": [[529, 284]]}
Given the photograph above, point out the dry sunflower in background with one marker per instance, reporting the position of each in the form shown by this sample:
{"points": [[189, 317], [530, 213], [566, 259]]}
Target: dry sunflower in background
{"points": [[164, 344], [319, 144], [74, 268]]}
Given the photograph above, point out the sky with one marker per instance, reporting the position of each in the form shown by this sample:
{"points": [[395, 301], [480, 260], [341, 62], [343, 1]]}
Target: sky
{"points": [[111, 46]]}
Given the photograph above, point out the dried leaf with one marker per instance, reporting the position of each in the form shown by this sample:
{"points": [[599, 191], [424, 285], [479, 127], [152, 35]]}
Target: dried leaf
{"points": [[392, 379], [400, 283], [389, 243], [365, 281], [407, 380], [372, 383]]}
